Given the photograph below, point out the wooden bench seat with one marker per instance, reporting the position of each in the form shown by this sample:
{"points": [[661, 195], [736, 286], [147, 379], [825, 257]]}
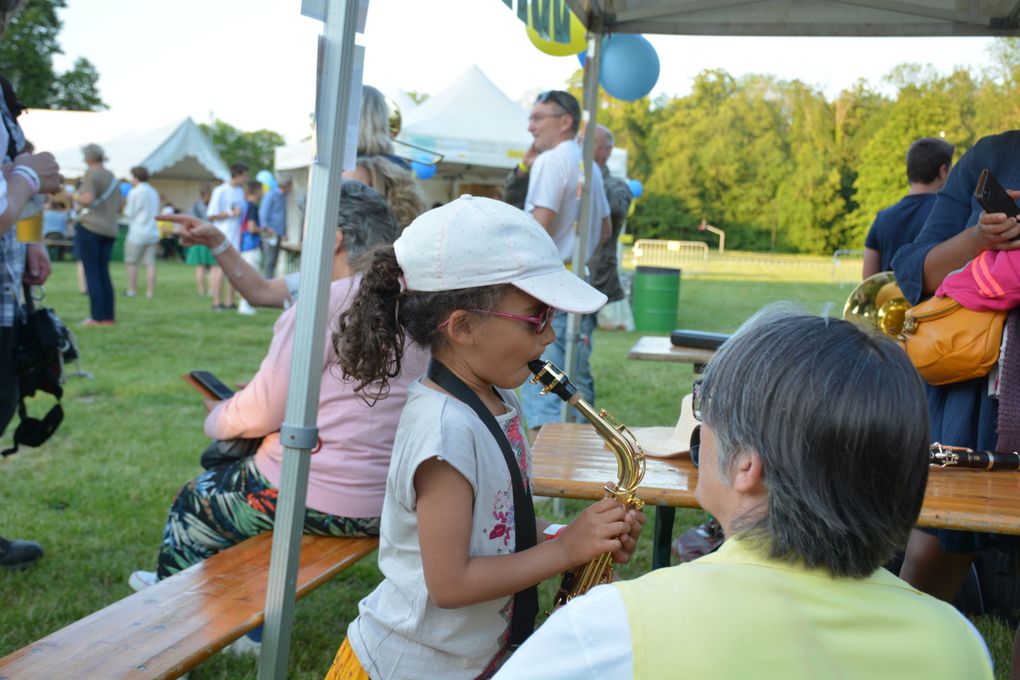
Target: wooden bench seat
{"points": [[172, 626]]}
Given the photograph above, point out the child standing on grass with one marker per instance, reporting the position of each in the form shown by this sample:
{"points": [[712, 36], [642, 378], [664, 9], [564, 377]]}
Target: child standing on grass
{"points": [[476, 282]]}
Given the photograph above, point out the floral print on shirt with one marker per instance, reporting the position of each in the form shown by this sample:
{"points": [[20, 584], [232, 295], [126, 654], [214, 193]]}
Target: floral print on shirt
{"points": [[503, 504]]}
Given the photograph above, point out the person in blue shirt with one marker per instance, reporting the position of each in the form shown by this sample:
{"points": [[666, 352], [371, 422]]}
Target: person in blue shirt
{"points": [[928, 163], [251, 236], [273, 218]]}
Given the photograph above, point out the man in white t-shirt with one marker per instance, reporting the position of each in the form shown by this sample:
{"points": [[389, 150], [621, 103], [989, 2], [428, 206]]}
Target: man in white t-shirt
{"points": [[141, 209], [224, 211], [553, 199]]}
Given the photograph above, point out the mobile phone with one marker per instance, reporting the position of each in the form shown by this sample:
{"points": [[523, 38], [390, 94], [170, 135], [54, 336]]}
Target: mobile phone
{"points": [[992, 197], [212, 384]]}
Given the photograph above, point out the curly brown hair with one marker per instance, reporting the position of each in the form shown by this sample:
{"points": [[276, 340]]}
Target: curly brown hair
{"points": [[369, 339]]}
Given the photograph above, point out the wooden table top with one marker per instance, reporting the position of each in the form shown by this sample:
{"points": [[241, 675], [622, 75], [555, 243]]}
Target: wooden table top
{"points": [[570, 461], [653, 348]]}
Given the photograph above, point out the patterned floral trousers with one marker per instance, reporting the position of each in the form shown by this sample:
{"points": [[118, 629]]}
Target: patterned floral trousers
{"points": [[224, 506]]}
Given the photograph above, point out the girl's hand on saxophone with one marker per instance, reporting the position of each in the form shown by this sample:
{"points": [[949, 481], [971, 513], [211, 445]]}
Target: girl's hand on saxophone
{"points": [[597, 530], [628, 542]]}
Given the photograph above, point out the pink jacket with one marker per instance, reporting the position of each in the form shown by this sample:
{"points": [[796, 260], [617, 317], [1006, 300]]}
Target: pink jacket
{"points": [[348, 475], [991, 281]]}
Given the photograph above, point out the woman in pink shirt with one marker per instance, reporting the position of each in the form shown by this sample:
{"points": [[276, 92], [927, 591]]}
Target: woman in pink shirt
{"points": [[347, 479]]}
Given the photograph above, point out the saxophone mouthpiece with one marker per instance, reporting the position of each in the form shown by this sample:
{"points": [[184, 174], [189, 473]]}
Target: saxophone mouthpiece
{"points": [[552, 378]]}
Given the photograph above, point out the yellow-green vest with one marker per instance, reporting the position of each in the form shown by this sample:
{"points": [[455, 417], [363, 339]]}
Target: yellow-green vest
{"points": [[734, 614]]}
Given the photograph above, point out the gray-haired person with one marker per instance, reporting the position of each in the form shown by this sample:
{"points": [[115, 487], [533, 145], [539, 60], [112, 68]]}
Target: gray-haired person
{"points": [[364, 216], [813, 455]]}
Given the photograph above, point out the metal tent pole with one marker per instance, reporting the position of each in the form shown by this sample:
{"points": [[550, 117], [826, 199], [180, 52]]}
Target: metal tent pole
{"points": [[591, 94], [299, 433]]}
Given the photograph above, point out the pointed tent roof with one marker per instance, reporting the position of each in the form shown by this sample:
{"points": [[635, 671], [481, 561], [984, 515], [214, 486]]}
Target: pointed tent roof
{"points": [[471, 122], [176, 150]]}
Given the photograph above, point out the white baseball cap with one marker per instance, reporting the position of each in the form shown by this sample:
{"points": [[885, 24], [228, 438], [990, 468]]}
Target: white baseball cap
{"points": [[473, 242]]}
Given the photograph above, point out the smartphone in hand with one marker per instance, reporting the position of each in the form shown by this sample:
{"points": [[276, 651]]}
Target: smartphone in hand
{"points": [[210, 385], [992, 197]]}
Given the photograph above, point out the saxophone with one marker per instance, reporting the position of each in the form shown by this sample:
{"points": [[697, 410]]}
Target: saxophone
{"points": [[630, 465]]}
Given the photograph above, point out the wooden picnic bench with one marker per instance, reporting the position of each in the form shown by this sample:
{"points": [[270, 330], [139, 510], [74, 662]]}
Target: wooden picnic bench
{"points": [[172, 626]]}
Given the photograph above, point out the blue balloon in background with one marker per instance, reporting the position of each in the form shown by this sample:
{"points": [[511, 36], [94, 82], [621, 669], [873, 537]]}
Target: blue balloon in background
{"points": [[266, 177], [423, 171], [582, 57], [630, 67], [636, 188], [124, 188]]}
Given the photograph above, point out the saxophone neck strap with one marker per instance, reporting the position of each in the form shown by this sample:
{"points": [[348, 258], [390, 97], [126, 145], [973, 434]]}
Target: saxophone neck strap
{"points": [[526, 601]]}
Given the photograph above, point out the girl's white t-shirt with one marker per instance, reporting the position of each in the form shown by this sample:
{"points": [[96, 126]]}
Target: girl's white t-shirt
{"points": [[400, 632]]}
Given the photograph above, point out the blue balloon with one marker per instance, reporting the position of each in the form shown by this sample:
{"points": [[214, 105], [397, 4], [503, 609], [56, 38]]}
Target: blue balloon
{"points": [[266, 177], [636, 188], [124, 188], [582, 57], [630, 67], [423, 170]]}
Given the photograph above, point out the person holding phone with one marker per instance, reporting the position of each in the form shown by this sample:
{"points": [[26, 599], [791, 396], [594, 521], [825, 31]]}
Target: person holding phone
{"points": [[963, 413], [347, 478]]}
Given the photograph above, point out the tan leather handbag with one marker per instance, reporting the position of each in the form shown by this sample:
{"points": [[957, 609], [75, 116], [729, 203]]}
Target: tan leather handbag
{"points": [[949, 343]]}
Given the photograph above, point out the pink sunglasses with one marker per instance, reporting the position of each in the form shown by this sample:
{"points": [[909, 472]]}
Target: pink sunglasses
{"points": [[538, 323]]}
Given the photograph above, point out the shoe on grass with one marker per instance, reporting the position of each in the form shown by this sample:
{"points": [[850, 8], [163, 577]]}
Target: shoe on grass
{"points": [[140, 580], [244, 646], [19, 554]]}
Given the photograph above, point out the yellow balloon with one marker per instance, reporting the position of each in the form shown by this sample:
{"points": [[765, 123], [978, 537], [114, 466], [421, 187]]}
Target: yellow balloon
{"points": [[578, 39]]}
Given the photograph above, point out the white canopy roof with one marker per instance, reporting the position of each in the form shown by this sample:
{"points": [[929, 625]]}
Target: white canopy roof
{"points": [[803, 17], [176, 150], [471, 122]]}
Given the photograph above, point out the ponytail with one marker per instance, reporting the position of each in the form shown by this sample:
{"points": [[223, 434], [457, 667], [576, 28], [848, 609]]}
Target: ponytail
{"points": [[368, 341]]}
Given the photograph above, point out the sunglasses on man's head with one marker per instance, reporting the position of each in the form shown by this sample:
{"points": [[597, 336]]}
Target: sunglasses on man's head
{"points": [[554, 97]]}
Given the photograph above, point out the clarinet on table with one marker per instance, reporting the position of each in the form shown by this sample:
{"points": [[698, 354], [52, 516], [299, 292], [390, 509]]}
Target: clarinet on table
{"points": [[942, 455]]}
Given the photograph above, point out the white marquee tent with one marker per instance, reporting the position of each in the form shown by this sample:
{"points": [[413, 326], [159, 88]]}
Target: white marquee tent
{"points": [[472, 123], [480, 131], [177, 154]]}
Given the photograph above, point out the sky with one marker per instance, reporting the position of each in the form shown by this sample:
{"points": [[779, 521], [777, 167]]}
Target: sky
{"points": [[251, 63]]}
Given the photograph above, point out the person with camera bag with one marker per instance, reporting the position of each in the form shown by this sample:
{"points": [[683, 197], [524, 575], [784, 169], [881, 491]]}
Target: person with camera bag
{"points": [[24, 177]]}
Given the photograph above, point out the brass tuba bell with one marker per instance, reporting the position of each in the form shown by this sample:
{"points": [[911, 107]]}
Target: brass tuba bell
{"points": [[878, 303]]}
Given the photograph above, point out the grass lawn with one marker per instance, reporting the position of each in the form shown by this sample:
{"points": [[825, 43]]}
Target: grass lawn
{"points": [[96, 495]]}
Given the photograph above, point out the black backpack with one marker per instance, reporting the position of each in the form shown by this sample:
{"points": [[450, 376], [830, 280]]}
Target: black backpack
{"points": [[42, 346]]}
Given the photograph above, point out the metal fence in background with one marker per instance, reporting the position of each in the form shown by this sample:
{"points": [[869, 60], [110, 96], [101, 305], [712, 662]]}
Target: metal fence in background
{"points": [[846, 266], [669, 254], [695, 258]]}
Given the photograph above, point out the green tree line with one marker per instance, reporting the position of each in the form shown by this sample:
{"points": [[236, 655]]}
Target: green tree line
{"points": [[26, 59], [781, 167]]}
